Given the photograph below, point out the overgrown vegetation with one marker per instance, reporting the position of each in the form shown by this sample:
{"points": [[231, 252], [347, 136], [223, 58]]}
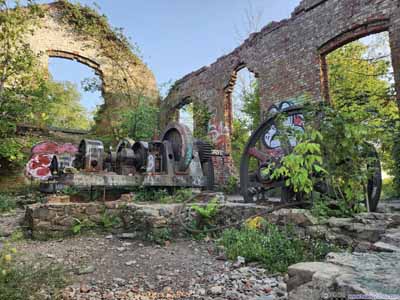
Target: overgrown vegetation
{"points": [[7, 203], [142, 123], [232, 185], [145, 194], [21, 281], [159, 235], [205, 215], [275, 248]]}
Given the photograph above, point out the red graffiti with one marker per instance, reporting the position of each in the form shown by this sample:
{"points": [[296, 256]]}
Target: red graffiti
{"points": [[218, 133], [42, 155]]}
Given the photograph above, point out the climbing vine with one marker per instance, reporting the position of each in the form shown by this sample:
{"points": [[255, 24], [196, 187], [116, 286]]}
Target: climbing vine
{"points": [[112, 44]]}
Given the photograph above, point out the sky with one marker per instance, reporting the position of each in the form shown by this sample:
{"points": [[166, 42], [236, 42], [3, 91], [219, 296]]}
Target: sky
{"points": [[176, 37]]}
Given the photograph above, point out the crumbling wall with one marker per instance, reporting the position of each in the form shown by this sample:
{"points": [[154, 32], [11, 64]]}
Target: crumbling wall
{"points": [[54, 38], [288, 57]]}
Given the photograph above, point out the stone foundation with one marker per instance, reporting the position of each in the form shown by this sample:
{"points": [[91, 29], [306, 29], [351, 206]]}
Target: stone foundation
{"points": [[54, 220], [367, 231]]}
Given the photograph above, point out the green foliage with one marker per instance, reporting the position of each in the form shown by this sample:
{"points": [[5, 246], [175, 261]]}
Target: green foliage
{"points": [[178, 196], [337, 145], [201, 117], [64, 108], [7, 203], [207, 212], [231, 187], [142, 123], [21, 78], [361, 89], [70, 191], [89, 21], [249, 119], [302, 164], [109, 221], [144, 194], [389, 189], [275, 248], [79, 226], [240, 136], [159, 235], [251, 105], [27, 281], [160, 195], [114, 45]]}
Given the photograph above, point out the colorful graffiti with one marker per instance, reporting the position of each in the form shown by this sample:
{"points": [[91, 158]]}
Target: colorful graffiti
{"points": [[219, 133], [271, 138], [44, 154]]}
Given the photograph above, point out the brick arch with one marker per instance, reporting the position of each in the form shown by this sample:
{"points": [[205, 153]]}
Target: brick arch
{"points": [[228, 105], [78, 58], [121, 79], [357, 32]]}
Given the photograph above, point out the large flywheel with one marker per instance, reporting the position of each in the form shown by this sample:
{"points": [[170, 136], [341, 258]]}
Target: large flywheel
{"points": [[275, 138], [181, 140], [267, 145]]}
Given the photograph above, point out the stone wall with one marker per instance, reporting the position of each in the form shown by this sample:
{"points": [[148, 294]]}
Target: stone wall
{"points": [[288, 57], [53, 220], [53, 38], [364, 232]]}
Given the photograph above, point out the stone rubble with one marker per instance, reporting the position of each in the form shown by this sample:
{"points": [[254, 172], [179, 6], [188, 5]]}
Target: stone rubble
{"points": [[247, 283]]}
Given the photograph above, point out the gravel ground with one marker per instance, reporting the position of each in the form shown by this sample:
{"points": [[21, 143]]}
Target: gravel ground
{"points": [[106, 267]]}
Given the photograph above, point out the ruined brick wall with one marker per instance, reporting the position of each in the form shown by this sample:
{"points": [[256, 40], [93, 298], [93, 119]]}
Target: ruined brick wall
{"points": [[53, 38], [288, 57]]}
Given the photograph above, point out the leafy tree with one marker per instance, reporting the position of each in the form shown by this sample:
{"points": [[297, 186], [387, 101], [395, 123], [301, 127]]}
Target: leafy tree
{"points": [[64, 108], [21, 79], [240, 136], [251, 105], [140, 123], [361, 89], [248, 119]]}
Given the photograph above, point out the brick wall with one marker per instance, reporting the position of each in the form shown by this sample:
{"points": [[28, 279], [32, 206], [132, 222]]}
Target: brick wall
{"points": [[287, 57]]}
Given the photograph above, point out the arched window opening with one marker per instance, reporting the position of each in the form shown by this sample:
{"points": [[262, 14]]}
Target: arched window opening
{"points": [[360, 80], [244, 114], [186, 116], [75, 92]]}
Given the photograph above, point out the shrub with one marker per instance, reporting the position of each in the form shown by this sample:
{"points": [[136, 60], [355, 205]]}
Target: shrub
{"points": [[159, 235], [7, 203], [21, 282], [389, 190], [231, 186], [275, 248], [109, 221], [144, 194]]}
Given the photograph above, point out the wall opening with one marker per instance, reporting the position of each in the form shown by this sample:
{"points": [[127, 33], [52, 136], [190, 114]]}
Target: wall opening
{"points": [[242, 110], [77, 93], [359, 77], [186, 116]]}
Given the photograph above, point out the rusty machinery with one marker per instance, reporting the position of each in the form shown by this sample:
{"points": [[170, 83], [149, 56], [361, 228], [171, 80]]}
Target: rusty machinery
{"points": [[176, 160], [271, 141]]}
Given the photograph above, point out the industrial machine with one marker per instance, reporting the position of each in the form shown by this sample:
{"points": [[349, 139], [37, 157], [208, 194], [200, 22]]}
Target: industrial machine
{"points": [[176, 160], [274, 139]]}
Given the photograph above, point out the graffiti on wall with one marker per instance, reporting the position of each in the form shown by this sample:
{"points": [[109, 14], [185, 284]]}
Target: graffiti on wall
{"points": [[271, 139], [219, 133], [44, 154]]}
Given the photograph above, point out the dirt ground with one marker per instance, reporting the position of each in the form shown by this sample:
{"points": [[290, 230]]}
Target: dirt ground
{"points": [[107, 267]]}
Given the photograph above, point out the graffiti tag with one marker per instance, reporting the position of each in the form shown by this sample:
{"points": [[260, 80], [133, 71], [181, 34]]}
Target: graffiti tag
{"points": [[271, 138]]}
